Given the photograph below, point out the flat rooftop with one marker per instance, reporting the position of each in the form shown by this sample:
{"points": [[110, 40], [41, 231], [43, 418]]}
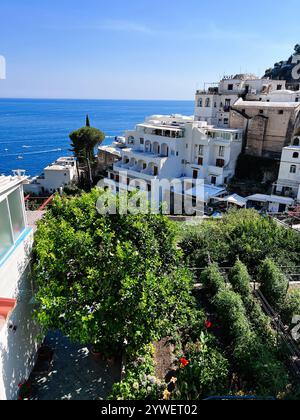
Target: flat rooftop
{"points": [[264, 104], [8, 182]]}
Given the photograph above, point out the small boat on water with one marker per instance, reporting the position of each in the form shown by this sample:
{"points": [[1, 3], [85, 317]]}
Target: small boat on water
{"points": [[26, 147], [20, 157]]}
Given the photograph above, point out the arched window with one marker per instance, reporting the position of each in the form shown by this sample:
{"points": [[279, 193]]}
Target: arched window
{"points": [[207, 103], [293, 169], [200, 103], [296, 155], [297, 141]]}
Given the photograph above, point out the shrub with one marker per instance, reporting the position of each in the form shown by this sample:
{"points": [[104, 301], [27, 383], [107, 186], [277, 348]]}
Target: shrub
{"points": [[291, 307], [240, 279], [206, 374], [106, 279], [140, 382], [242, 234], [231, 312], [212, 279], [274, 284]]}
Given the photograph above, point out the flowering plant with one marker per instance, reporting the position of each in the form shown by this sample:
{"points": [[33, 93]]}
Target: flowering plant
{"points": [[183, 362]]}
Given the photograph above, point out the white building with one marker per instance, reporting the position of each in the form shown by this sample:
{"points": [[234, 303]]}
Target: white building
{"points": [[58, 175], [283, 95], [269, 203], [288, 183], [214, 102], [177, 147], [17, 330]]}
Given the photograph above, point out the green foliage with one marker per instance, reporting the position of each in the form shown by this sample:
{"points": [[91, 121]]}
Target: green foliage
{"points": [[255, 358], [107, 279], [254, 168], [84, 142], [206, 375], [274, 284], [291, 307], [140, 382], [212, 279], [260, 366], [240, 279], [242, 234], [232, 313], [241, 283]]}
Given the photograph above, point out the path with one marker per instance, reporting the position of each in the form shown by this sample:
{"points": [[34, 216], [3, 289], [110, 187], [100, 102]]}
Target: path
{"points": [[75, 374]]}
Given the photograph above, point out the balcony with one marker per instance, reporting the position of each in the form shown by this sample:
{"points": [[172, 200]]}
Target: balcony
{"points": [[138, 171], [147, 155], [167, 132], [215, 170]]}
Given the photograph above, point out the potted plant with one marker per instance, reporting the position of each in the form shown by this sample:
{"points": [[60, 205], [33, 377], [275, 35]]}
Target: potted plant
{"points": [[96, 352]]}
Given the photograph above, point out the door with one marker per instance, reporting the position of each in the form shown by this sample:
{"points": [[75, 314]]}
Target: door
{"points": [[214, 180]]}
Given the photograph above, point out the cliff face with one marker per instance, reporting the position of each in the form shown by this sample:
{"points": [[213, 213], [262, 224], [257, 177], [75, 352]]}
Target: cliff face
{"points": [[287, 70]]}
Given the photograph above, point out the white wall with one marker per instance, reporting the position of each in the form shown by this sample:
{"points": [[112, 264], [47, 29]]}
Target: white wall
{"points": [[17, 349]]}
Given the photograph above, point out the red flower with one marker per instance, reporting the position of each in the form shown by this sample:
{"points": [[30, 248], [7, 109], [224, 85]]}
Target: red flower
{"points": [[208, 324], [184, 362]]}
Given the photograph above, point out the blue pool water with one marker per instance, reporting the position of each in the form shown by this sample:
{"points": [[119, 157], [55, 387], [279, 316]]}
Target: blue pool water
{"points": [[38, 130]]}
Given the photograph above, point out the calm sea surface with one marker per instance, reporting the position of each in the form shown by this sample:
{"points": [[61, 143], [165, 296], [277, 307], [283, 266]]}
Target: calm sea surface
{"points": [[33, 133]]}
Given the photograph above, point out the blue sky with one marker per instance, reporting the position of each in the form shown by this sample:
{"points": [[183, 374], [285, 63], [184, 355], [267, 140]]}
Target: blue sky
{"points": [[138, 49]]}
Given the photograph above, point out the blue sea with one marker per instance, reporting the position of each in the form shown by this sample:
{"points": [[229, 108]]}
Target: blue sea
{"points": [[33, 133]]}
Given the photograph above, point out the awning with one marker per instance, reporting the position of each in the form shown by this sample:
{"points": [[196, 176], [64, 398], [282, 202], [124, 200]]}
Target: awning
{"points": [[235, 199], [6, 308], [262, 198]]}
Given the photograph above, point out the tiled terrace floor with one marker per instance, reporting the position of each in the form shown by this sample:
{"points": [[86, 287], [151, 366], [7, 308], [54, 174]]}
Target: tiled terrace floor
{"points": [[75, 375]]}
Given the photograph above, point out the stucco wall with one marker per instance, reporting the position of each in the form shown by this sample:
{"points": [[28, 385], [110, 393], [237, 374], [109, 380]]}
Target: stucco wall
{"points": [[18, 346]]}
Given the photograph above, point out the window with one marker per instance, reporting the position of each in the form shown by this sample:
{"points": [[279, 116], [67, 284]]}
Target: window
{"points": [[155, 170], [16, 213], [220, 163], [6, 239], [280, 112], [297, 141], [279, 87], [130, 140], [200, 103], [200, 161], [142, 141], [201, 150], [222, 151], [293, 169], [226, 121], [261, 111], [207, 103], [195, 174], [215, 105], [296, 155], [230, 87]]}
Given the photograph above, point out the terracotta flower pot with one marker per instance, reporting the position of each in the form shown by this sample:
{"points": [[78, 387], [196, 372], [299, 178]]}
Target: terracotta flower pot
{"points": [[97, 355]]}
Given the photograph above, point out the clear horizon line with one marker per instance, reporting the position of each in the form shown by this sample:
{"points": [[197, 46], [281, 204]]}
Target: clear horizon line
{"points": [[94, 99]]}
